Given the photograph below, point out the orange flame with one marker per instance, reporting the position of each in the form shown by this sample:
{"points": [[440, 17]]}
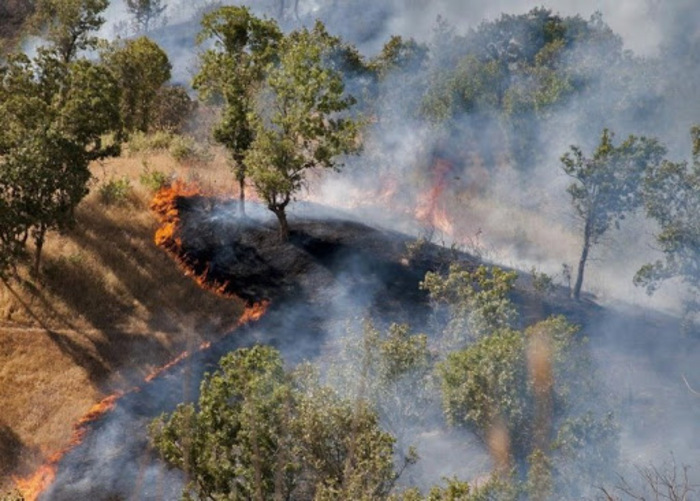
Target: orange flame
{"points": [[430, 209], [167, 236], [32, 486]]}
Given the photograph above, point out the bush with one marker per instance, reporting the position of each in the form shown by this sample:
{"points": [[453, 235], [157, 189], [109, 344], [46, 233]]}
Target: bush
{"points": [[173, 107], [153, 180], [181, 147], [115, 191]]}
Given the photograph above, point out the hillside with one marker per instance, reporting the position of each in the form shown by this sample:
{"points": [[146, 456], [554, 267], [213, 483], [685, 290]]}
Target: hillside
{"points": [[107, 309]]}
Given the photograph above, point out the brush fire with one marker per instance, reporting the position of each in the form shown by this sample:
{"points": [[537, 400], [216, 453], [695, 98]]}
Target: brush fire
{"points": [[165, 206]]}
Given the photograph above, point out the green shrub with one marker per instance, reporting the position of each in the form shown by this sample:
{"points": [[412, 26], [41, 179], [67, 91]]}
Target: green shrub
{"points": [[181, 147], [153, 180], [115, 191]]}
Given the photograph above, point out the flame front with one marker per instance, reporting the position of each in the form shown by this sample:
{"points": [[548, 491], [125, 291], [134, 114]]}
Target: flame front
{"points": [[164, 204], [32, 486]]}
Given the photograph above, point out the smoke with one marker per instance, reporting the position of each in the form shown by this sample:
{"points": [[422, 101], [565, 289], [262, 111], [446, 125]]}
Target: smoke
{"points": [[518, 218]]}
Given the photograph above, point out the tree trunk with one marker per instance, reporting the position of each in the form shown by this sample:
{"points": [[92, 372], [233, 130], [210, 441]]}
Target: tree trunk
{"points": [[282, 218], [38, 246], [241, 196], [582, 261]]}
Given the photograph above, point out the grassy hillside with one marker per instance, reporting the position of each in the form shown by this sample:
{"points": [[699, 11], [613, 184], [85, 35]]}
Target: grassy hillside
{"points": [[108, 307]]}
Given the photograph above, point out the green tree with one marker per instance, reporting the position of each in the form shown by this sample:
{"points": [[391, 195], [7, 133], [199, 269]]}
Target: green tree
{"points": [[473, 302], [141, 69], [70, 25], [606, 186], [55, 115], [305, 129], [672, 199], [146, 13], [260, 432], [536, 391], [232, 71]]}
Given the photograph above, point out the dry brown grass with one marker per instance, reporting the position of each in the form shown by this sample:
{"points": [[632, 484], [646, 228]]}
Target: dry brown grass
{"points": [[108, 307]]}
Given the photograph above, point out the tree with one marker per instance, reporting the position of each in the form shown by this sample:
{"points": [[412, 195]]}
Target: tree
{"points": [[607, 186], [141, 68], [534, 400], [672, 199], [260, 432], [232, 71], [474, 303], [305, 129], [145, 13], [55, 115], [70, 25]]}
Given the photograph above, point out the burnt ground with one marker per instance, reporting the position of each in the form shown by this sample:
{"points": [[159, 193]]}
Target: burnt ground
{"points": [[333, 269]]}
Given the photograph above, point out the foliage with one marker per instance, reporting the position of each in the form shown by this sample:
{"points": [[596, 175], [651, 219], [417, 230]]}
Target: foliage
{"points": [[141, 68], [672, 199], [70, 25], [306, 129], [508, 74], [495, 489], [55, 116], [476, 302], [393, 371], [146, 13], [181, 147], [115, 191], [607, 186], [232, 71], [171, 108], [153, 180], [541, 282], [260, 432], [539, 387]]}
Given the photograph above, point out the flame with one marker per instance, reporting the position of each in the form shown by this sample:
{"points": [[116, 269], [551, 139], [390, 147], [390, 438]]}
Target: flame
{"points": [[165, 206], [253, 312], [32, 486], [430, 209]]}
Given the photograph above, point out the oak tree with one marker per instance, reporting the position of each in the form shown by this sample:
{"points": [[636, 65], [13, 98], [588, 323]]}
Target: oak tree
{"points": [[305, 128], [606, 186], [232, 70], [672, 199]]}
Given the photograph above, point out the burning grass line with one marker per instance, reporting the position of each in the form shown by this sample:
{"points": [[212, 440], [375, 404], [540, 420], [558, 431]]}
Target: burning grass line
{"points": [[31, 487]]}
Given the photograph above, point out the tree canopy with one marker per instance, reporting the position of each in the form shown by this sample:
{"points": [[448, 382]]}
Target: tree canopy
{"points": [[304, 127], [607, 186], [232, 70]]}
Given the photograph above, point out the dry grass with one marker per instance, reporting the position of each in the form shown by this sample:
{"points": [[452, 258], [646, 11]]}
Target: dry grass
{"points": [[108, 307]]}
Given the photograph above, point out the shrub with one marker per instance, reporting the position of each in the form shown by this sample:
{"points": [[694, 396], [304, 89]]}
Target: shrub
{"points": [[153, 180], [115, 191]]}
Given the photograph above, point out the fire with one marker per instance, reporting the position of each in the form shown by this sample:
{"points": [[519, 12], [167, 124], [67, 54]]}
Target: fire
{"points": [[32, 486], [253, 312], [165, 206], [430, 209]]}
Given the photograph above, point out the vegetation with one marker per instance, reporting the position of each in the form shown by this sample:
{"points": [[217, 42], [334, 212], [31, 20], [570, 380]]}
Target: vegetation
{"points": [[141, 69], [147, 14], [259, 432], [287, 108], [233, 71], [607, 186], [672, 199], [473, 303], [304, 129]]}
